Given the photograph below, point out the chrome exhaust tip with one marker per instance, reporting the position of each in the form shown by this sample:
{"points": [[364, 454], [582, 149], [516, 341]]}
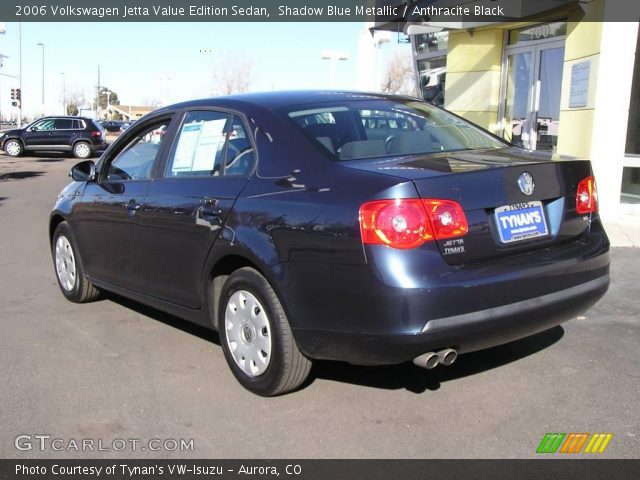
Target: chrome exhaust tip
{"points": [[427, 360], [447, 356]]}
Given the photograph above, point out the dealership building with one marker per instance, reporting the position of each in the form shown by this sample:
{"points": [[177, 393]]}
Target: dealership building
{"points": [[555, 77]]}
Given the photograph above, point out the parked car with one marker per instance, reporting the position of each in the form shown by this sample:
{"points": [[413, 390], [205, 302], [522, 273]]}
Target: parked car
{"points": [[126, 125], [78, 135], [112, 125], [274, 219]]}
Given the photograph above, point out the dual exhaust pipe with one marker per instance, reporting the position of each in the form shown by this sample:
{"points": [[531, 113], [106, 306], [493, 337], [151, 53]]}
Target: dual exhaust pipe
{"points": [[431, 360]]}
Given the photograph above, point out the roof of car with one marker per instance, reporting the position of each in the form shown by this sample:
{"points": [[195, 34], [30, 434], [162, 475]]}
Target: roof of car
{"points": [[287, 98], [67, 117]]}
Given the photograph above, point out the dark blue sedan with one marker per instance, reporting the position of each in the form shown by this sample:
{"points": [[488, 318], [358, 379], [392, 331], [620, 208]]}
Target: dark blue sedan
{"points": [[358, 227]]}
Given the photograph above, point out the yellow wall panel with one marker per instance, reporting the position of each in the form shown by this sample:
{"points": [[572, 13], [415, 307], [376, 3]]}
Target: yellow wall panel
{"points": [[475, 51], [575, 132], [473, 91], [488, 120], [584, 32]]}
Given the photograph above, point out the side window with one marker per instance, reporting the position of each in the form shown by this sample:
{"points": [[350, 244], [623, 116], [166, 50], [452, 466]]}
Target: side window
{"points": [[44, 125], [240, 153], [78, 124], [136, 161], [64, 124], [199, 150]]}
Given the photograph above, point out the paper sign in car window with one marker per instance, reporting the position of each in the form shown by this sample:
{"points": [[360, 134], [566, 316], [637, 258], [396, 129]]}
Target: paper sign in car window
{"points": [[187, 143], [210, 142]]}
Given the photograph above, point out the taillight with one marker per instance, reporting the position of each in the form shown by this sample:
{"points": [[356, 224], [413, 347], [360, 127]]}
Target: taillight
{"points": [[587, 196], [96, 133], [410, 222], [447, 218]]}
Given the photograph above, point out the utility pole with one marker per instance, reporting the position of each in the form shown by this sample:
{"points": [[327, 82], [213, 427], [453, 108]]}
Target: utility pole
{"points": [[64, 94], [98, 94], [20, 73], [42, 45]]}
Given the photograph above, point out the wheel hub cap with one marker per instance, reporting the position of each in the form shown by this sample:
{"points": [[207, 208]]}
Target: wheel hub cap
{"points": [[248, 334], [65, 263]]}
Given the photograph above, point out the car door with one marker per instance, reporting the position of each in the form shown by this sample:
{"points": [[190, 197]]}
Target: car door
{"points": [[39, 136], [65, 131], [206, 169], [108, 214]]}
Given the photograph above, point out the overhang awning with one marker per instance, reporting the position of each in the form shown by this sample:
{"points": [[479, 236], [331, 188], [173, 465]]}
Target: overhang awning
{"points": [[426, 16]]}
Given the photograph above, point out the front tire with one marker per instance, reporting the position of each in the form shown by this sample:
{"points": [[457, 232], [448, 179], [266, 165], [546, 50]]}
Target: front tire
{"points": [[73, 282], [13, 148], [256, 337], [82, 150]]}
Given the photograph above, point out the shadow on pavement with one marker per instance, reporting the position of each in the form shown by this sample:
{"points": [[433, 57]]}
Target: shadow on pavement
{"points": [[166, 318], [51, 160], [391, 377], [19, 175], [415, 379]]}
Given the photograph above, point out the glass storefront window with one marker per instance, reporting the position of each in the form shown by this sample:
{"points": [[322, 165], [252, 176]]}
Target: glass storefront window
{"points": [[538, 32], [433, 75], [431, 42]]}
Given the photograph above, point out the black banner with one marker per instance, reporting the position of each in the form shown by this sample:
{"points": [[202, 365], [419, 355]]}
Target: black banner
{"points": [[123, 469], [378, 11]]}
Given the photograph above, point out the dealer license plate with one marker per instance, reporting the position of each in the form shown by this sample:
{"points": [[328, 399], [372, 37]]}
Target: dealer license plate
{"points": [[521, 221]]}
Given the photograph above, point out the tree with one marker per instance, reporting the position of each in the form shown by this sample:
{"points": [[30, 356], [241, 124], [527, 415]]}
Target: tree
{"points": [[74, 100], [398, 77], [232, 73], [107, 95]]}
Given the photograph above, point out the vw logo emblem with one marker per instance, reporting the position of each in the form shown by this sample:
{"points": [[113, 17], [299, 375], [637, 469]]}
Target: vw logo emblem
{"points": [[525, 182]]}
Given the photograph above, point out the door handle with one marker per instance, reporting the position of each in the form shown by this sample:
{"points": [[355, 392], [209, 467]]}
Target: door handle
{"points": [[133, 206], [209, 208]]}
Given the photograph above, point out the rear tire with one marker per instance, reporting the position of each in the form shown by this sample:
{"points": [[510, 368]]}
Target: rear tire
{"points": [[82, 150], [256, 337], [13, 148], [73, 282]]}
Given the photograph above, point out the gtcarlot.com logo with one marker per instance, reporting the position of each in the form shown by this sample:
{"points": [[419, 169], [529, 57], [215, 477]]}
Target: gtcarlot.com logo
{"points": [[574, 443], [45, 442]]}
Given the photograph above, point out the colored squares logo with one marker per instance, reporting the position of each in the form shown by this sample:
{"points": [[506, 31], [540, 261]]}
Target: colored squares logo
{"points": [[574, 443]]}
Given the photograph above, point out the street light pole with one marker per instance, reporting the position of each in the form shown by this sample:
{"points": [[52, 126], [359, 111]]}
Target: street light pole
{"points": [[332, 57], [64, 93], [42, 45], [20, 73]]}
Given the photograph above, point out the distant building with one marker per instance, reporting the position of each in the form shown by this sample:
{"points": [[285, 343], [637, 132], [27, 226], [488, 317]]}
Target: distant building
{"points": [[127, 112]]}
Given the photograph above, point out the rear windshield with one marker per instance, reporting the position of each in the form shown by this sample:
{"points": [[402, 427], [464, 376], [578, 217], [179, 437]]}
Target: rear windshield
{"points": [[380, 128]]}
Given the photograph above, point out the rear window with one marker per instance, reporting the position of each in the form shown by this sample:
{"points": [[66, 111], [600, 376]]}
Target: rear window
{"points": [[380, 128]]}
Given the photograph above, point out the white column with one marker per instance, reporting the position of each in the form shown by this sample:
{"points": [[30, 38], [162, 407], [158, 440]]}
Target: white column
{"points": [[611, 114]]}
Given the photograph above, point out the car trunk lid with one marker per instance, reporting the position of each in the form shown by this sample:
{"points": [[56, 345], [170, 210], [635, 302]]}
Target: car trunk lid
{"points": [[514, 201]]}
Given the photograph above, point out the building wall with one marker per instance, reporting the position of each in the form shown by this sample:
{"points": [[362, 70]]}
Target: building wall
{"points": [[474, 65], [596, 131]]}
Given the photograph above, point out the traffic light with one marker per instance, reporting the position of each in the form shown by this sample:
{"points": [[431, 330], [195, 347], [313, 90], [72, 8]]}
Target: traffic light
{"points": [[18, 94], [13, 94]]}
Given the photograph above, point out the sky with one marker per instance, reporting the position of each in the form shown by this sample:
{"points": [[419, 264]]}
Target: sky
{"points": [[145, 63]]}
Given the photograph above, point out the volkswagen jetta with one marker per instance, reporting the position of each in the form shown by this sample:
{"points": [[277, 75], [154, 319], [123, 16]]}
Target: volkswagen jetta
{"points": [[332, 225]]}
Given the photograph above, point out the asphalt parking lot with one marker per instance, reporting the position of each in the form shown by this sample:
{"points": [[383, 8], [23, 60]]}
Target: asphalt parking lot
{"points": [[115, 369]]}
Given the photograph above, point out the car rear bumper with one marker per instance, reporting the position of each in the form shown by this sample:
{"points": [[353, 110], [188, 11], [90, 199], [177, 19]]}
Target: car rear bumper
{"points": [[465, 333], [362, 319]]}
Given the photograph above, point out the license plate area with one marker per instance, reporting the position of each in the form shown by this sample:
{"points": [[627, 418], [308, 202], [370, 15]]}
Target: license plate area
{"points": [[521, 221]]}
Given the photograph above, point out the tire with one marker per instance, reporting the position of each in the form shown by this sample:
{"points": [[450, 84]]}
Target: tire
{"points": [[73, 282], [82, 150], [257, 342], [13, 147]]}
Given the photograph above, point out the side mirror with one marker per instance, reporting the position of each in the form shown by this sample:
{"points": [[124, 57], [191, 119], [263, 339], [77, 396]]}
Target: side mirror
{"points": [[33, 129], [83, 171]]}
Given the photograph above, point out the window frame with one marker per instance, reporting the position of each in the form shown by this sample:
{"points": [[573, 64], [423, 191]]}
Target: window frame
{"points": [[180, 121], [128, 139]]}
